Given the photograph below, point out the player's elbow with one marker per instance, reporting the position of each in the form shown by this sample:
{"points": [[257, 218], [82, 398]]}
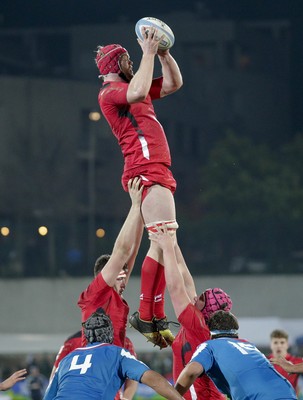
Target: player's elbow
{"points": [[179, 84], [172, 88], [139, 98]]}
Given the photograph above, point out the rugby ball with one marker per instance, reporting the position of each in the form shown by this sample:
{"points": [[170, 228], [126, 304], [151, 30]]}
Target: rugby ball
{"points": [[163, 29]]}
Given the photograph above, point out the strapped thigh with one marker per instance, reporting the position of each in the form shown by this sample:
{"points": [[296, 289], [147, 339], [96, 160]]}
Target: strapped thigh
{"points": [[171, 225]]}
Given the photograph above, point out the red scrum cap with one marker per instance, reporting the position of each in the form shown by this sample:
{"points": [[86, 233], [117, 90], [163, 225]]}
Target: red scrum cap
{"points": [[107, 58]]}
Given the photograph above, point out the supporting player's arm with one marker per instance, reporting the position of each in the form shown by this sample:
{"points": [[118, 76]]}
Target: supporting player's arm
{"points": [[160, 385], [127, 239], [187, 277], [135, 248], [173, 276], [187, 377]]}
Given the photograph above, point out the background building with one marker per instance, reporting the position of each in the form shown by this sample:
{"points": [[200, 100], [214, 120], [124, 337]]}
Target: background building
{"points": [[62, 165]]}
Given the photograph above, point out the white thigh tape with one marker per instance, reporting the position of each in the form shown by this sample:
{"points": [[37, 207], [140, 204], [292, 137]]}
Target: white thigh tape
{"points": [[170, 225]]}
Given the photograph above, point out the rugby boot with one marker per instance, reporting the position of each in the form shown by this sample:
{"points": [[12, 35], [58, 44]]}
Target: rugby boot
{"points": [[162, 326], [148, 329]]}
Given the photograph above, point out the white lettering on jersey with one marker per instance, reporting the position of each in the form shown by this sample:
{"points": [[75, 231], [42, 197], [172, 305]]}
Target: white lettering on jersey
{"points": [[83, 367], [244, 348]]}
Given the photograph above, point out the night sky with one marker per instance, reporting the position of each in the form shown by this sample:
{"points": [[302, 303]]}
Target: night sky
{"points": [[42, 13]]}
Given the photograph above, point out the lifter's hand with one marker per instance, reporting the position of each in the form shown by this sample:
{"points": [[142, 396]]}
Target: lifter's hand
{"points": [[162, 237], [135, 190]]}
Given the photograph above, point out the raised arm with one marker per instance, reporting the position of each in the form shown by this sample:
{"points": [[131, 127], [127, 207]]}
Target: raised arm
{"points": [[160, 385], [174, 280], [187, 277], [127, 241], [134, 252], [172, 78], [140, 84]]}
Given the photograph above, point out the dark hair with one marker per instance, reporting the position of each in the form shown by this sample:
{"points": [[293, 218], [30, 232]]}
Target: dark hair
{"points": [[222, 324], [100, 263]]}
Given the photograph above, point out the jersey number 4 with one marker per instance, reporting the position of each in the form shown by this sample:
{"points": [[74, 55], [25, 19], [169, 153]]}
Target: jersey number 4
{"points": [[84, 366]]}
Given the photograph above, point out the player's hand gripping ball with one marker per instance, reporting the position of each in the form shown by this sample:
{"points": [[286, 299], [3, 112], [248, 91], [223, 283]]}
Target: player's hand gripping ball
{"points": [[168, 36]]}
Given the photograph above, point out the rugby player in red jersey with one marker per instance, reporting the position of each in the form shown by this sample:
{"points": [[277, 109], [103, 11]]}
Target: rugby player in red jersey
{"points": [[192, 312], [71, 343], [125, 100], [111, 276]]}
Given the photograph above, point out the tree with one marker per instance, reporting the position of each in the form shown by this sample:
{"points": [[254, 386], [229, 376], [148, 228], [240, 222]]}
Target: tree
{"points": [[253, 199]]}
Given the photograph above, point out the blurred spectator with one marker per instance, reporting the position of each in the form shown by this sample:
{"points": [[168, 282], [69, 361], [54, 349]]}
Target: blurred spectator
{"points": [[279, 346], [36, 383]]}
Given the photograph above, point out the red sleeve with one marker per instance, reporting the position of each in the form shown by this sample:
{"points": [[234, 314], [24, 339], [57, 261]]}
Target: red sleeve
{"points": [[95, 296], [192, 319], [69, 345], [113, 93], [155, 88], [128, 344]]}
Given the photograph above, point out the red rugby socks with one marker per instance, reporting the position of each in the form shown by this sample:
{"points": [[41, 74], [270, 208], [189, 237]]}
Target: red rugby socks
{"points": [[152, 290]]}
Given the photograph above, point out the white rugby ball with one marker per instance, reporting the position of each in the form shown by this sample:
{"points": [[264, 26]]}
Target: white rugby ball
{"points": [[163, 29]]}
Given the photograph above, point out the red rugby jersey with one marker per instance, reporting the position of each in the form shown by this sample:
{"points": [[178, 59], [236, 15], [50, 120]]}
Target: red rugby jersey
{"points": [[99, 294], [130, 346], [139, 133], [193, 331], [70, 344]]}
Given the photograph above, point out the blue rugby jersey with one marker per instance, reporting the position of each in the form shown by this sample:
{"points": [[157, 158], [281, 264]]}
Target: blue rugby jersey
{"points": [[241, 371], [96, 371]]}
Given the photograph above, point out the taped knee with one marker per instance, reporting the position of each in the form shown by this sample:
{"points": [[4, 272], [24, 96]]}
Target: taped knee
{"points": [[171, 226]]}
